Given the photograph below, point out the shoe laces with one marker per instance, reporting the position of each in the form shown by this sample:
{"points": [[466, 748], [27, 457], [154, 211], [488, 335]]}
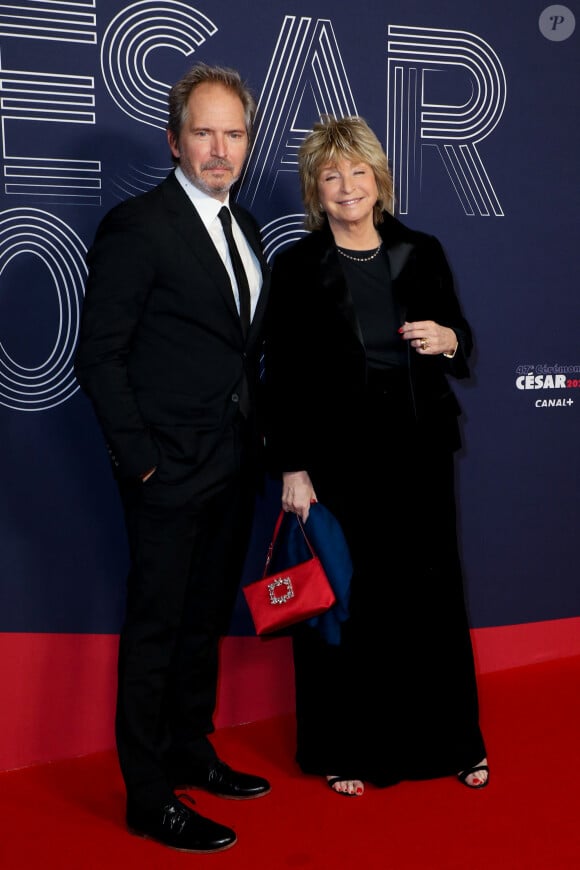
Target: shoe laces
{"points": [[177, 815], [217, 771]]}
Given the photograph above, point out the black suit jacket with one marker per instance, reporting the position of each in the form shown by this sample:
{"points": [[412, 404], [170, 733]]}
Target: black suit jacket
{"points": [[161, 352], [316, 367]]}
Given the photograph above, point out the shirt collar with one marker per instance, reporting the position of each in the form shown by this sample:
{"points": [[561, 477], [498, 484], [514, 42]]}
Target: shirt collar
{"points": [[207, 206]]}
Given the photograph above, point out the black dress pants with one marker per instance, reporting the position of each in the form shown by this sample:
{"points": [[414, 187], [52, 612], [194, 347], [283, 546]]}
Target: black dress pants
{"points": [[186, 563]]}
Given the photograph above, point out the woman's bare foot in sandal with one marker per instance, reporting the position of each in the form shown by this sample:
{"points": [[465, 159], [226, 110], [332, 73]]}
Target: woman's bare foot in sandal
{"points": [[475, 777], [347, 787]]}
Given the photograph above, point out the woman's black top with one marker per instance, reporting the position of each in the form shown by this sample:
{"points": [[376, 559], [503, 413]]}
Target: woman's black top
{"points": [[369, 281]]}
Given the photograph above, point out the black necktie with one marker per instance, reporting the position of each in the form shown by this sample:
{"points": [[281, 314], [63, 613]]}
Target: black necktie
{"points": [[239, 271]]}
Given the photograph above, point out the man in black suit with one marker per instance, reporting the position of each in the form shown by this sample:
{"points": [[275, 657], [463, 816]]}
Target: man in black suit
{"points": [[168, 354]]}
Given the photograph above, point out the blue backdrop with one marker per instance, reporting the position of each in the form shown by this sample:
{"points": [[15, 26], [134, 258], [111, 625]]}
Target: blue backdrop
{"points": [[477, 106]]}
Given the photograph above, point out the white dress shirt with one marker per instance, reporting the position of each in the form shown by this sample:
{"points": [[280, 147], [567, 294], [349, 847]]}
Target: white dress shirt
{"points": [[207, 208]]}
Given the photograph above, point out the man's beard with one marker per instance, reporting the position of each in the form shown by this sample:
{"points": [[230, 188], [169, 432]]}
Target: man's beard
{"points": [[211, 189]]}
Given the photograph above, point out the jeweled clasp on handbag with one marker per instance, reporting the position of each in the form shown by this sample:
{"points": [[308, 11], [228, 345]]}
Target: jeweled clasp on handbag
{"points": [[280, 599]]}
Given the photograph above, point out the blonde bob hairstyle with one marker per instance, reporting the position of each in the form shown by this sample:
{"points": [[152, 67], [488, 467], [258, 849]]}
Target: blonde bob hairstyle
{"points": [[335, 139]]}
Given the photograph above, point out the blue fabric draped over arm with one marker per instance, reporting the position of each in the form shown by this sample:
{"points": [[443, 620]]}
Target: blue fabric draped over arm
{"points": [[329, 544]]}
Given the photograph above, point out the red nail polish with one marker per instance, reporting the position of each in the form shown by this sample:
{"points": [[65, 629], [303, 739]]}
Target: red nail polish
{"points": [[400, 329], [359, 790]]}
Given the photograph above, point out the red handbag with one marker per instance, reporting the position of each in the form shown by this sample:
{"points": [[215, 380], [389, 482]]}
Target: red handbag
{"points": [[293, 595]]}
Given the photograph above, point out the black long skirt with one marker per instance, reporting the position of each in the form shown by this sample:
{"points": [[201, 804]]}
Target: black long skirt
{"points": [[397, 699]]}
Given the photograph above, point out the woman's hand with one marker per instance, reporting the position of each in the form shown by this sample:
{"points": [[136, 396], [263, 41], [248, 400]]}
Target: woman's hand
{"points": [[429, 338], [297, 493]]}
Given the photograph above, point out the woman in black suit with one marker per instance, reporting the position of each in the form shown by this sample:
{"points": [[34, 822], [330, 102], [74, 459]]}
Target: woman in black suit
{"points": [[363, 328]]}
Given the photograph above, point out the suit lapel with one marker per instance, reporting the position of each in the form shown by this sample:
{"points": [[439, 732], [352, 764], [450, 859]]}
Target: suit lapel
{"points": [[188, 224], [398, 250], [334, 283]]}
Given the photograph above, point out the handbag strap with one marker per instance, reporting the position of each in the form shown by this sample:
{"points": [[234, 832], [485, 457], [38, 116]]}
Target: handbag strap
{"points": [[275, 535]]}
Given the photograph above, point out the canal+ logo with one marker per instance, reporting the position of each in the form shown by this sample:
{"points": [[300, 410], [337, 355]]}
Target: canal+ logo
{"points": [[549, 379]]}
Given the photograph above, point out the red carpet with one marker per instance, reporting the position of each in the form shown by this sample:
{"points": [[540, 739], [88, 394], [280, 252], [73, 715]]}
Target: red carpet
{"points": [[70, 814]]}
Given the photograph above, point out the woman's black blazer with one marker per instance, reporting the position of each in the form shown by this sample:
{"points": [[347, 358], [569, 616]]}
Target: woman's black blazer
{"points": [[315, 361]]}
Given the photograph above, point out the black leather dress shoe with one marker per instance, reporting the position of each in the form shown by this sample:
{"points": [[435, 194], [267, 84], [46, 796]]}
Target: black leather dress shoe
{"points": [[175, 825], [219, 779]]}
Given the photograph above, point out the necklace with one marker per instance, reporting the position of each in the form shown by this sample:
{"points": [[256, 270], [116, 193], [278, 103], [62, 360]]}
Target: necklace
{"points": [[360, 259]]}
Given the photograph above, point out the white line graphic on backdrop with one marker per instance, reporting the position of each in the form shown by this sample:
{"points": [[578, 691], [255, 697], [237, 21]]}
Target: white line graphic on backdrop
{"points": [[306, 65], [57, 21], [140, 180], [35, 233], [131, 36], [27, 99], [283, 231], [415, 54]]}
